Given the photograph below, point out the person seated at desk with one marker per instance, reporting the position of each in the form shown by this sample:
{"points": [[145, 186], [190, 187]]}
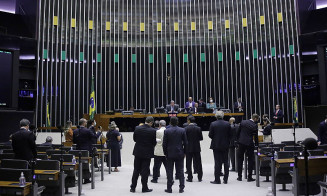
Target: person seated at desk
{"points": [[212, 105], [189, 105], [131, 108], [48, 141], [266, 130], [196, 109], [172, 108], [202, 104]]}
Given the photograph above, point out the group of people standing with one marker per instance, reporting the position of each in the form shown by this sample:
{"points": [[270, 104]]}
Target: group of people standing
{"points": [[169, 145]]}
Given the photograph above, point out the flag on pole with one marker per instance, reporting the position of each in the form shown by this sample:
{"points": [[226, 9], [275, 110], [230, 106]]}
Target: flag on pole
{"points": [[48, 123], [92, 100], [295, 113]]}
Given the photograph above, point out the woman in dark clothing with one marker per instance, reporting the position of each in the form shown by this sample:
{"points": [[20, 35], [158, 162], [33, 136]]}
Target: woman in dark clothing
{"points": [[113, 139]]}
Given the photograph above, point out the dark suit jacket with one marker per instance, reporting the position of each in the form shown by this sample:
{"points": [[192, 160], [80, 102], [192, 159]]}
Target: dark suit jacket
{"points": [[220, 134], [267, 130], [83, 138], [169, 108], [194, 136], [245, 133], [174, 142], [279, 116], [145, 140], [236, 110], [185, 125], [23, 144], [202, 105], [322, 132], [46, 144], [95, 140], [234, 129]]}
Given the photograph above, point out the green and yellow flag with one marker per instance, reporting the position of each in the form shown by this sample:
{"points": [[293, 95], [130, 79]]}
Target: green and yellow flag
{"points": [[92, 100], [295, 113], [48, 122]]}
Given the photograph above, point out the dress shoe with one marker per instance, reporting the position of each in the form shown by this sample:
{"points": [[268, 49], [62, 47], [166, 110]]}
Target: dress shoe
{"points": [[181, 190], [225, 181], [146, 190], [168, 190], [239, 178], [154, 181], [251, 179], [215, 182], [132, 190], [200, 180], [189, 180], [86, 181]]}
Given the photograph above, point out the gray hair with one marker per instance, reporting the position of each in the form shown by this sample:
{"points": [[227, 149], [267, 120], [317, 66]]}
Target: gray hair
{"points": [[162, 123], [232, 119], [49, 139], [24, 122], [220, 114], [82, 121]]}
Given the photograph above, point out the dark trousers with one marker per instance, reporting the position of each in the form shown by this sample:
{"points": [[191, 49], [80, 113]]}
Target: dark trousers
{"points": [[141, 167], [232, 156], [196, 157], [179, 164], [240, 158], [158, 160], [221, 157]]}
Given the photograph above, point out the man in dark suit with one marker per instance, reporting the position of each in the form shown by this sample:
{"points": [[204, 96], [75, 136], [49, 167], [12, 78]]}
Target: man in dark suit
{"points": [[145, 140], [172, 108], [48, 141], [91, 125], [189, 104], [202, 104], [220, 133], [278, 115], [23, 142], [193, 149], [174, 145], [234, 128], [322, 132], [244, 138]]}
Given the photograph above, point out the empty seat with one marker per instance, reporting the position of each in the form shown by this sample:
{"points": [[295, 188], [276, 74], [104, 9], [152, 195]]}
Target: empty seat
{"points": [[8, 174], [51, 152], [42, 156], [288, 143], [323, 147], [282, 174], [14, 164], [47, 165], [66, 157], [281, 146], [7, 151], [52, 187], [265, 169], [317, 152], [293, 148], [43, 148], [2, 147], [7, 156], [269, 150]]}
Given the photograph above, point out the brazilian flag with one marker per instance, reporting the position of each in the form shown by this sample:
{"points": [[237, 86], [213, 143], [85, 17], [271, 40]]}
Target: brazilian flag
{"points": [[92, 100], [48, 122], [295, 113]]}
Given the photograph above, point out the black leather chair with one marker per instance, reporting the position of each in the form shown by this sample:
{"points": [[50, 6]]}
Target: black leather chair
{"points": [[317, 152], [323, 147], [289, 143], [265, 169], [2, 147], [85, 166], [14, 164], [70, 180], [9, 174], [282, 174], [43, 148], [293, 148], [7, 151], [42, 156], [52, 186], [281, 146], [7, 156], [51, 152]]}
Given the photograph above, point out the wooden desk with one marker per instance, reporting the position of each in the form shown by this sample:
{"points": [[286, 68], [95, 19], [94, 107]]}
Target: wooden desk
{"points": [[69, 166], [284, 162], [317, 165], [263, 157], [84, 159], [47, 174], [13, 188]]}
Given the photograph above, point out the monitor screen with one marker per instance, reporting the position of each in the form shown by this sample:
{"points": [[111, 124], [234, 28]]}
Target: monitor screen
{"points": [[6, 78]]}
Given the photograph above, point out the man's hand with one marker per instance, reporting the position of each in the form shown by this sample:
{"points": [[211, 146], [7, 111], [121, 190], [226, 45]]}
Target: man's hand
{"points": [[319, 143]]}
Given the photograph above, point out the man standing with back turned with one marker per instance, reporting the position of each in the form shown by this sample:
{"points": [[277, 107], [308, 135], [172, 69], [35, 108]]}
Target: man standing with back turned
{"points": [[220, 133], [244, 137], [145, 140], [174, 146]]}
